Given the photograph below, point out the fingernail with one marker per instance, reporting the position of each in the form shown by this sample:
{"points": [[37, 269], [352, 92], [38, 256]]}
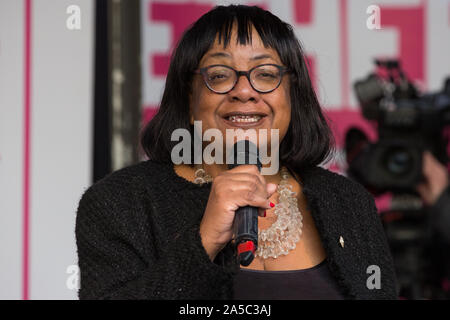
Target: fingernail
{"points": [[265, 213], [272, 204]]}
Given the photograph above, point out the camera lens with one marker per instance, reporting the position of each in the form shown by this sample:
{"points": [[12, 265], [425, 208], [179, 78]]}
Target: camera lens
{"points": [[398, 161]]}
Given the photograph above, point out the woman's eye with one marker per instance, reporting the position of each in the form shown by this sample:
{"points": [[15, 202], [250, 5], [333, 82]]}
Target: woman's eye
{"points": [[217, 76], [266, 75]]}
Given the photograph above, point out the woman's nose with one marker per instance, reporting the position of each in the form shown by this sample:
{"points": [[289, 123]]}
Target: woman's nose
{"points": [[243, 91]]}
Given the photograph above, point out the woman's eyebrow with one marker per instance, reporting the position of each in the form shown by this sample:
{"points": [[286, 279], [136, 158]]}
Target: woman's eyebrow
{"points": [[218, 55], [261, 56], [227, 55]]}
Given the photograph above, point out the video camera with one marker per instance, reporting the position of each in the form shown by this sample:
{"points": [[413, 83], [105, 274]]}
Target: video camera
{"points": [[408, 123]]}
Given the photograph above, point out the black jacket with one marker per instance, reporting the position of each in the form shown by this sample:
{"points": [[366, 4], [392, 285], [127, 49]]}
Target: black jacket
{"points": [[137, 233]]}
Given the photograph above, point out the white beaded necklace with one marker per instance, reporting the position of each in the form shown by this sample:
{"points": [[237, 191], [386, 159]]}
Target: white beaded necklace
{"points": [[282, 236]]}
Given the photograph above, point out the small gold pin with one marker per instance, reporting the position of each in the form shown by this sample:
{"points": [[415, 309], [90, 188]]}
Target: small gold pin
{"points": [[341, 241]]}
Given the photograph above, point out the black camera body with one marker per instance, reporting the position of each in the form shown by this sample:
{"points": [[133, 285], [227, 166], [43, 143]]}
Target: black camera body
{"points": [[407, 124]]}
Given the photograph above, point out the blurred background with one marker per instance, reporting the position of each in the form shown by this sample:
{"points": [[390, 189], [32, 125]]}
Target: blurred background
{"points": [[80, 78]]}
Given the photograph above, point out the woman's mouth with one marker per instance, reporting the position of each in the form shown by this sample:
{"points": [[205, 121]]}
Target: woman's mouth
{"points": [[244, 120]]}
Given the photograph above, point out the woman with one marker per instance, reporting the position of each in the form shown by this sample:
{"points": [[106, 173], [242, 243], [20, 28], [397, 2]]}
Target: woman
{"points": [[150, 231]]}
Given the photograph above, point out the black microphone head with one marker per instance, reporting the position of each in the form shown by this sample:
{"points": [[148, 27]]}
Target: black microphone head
{"points": [[244, 152]]}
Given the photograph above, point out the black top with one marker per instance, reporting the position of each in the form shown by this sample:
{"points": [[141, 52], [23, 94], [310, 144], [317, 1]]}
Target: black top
{"points": [[137, 233], [314, 283]]}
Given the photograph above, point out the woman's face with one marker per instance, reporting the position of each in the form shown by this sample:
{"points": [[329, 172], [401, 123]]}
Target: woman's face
{"points": [[214, 110]]}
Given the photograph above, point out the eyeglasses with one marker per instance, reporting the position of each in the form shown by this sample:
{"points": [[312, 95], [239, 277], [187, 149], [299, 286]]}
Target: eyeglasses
{"points": [[222, 79]]}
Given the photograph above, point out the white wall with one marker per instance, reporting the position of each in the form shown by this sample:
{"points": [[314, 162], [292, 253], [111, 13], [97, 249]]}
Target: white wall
{"points": [[60, 149], [11, 147]]}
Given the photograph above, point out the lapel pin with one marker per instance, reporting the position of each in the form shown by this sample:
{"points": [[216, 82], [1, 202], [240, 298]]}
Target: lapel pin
{"points": [[341, 241]]}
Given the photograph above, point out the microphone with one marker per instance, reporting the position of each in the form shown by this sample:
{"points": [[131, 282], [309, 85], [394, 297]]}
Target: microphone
{"points": [[245, 222]]}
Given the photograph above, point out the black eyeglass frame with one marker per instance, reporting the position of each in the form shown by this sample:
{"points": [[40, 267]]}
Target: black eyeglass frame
{"points": [[203, 71]]}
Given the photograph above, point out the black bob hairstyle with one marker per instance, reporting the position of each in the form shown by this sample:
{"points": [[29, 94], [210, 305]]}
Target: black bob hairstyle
{"points": [[308, 141]]}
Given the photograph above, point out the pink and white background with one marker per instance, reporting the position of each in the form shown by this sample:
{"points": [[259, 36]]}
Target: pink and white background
{"points": [[46, 102]]}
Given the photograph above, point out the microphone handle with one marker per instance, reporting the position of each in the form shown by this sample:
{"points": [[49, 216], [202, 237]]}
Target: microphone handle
{"points": [[245, 224], [246, 232]]}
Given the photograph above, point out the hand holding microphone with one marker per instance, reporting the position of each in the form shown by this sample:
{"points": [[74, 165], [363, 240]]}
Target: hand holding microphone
{"points": [[239, 187], [245, 223]]}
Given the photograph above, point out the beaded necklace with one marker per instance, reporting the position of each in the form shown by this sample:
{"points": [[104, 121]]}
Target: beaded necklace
{"points": [[284, 234]]}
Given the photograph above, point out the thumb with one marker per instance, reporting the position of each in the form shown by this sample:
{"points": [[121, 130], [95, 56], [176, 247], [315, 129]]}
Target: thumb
{"points": [[271, 188]]}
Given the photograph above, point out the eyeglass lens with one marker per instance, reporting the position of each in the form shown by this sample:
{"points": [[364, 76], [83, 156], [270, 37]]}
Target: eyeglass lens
{"points": [[222, 79]]}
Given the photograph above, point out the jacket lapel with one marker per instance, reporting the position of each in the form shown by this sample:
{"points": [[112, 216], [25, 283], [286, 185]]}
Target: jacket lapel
{"points": [[335, 223]]}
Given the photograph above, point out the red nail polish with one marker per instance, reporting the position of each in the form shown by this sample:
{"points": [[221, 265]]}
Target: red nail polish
{"points": [[272, 204]]}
